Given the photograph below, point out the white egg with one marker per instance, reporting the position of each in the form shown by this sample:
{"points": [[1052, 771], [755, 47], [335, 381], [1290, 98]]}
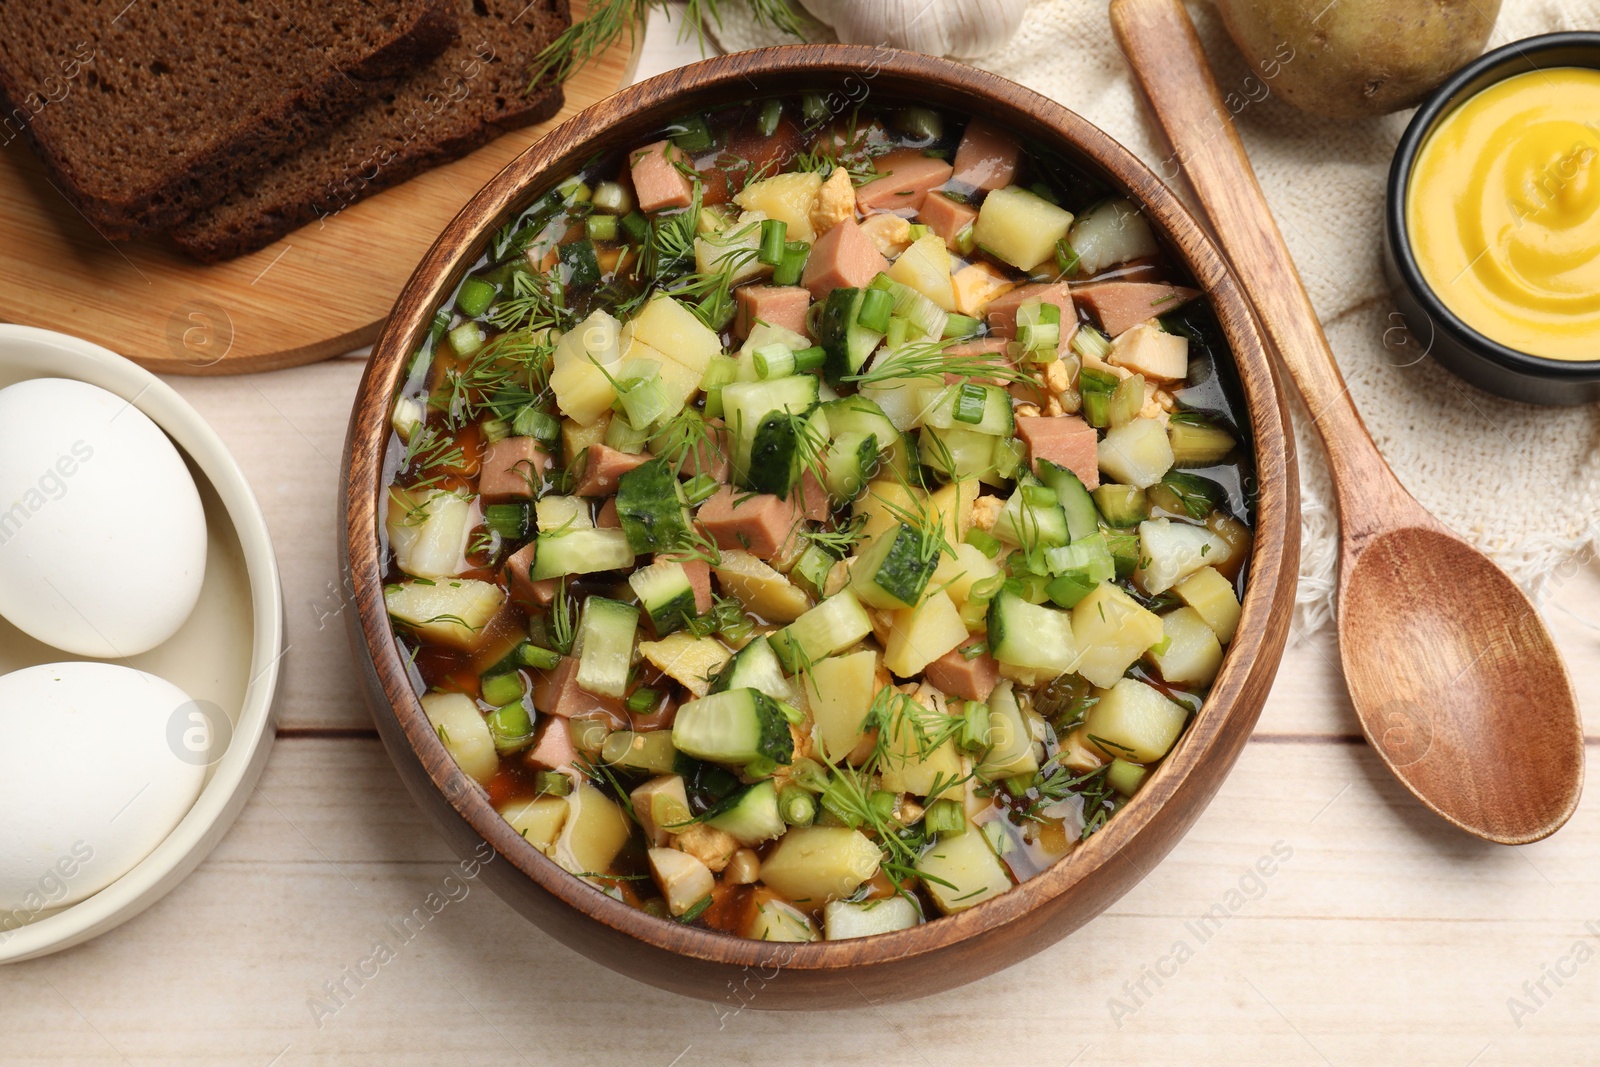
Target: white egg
{"points": [[96, 768], [102, 534]]}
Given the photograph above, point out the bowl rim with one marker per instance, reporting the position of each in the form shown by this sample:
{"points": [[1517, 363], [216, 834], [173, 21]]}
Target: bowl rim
{"points": [[1491, 68], [1217, 733], [233, 777]]}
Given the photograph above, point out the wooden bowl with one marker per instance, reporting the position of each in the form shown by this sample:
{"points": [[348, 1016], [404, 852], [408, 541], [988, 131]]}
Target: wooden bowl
{"points": [[947, 951]]}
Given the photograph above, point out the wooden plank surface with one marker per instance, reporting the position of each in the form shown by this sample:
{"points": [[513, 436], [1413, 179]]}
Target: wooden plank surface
{"points": [[1380, 936], [320, 291]]}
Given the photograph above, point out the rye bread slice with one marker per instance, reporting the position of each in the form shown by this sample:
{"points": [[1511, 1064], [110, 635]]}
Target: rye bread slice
{"points": [[471, 94], [149, 111]]}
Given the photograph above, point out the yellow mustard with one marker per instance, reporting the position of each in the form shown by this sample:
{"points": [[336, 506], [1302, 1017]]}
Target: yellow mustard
{"points": [[1504, 212]]}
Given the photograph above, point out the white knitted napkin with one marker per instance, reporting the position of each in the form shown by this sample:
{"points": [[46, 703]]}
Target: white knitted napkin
{"points": [[1521, 482]]}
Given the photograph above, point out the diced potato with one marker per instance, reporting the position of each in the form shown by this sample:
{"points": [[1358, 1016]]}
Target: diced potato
{"points": [[1171, 551], [538, 819], [1148, 350], [1020, 227], [554, 513], [576, 438], [814, 864], [840, 691], [760, 588], [843, 919], [953, 504], [1193, 652], [733, 250], [922, 634], [957, 574], [1136, 454], [1077, 755], [961, 870], [660, 805], [595, 831], [683, 880], [1212, 595], [451, 611], [672, 329], [460, 725], [1112, 630], [906, 768], [428, 531], [1111, 232], [925, 266], [882, 504], [689, 660], [976, 285], [788, 197], [775, 920], [583, 392], [1134, 721]]}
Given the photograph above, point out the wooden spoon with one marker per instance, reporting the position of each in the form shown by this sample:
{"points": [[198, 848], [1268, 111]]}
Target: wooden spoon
{"points": [[1456, 682]]}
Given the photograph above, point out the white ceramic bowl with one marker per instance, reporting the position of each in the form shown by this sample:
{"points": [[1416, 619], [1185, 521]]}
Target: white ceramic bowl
{"points": [[227, 653]]}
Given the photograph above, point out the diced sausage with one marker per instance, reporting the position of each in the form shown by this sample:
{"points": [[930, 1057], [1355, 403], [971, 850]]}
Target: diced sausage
{"points": [[1121, 305], [907, 177], [512, 469], [710, 456], [814, 498], [1001, 313], [1065, 440], [947, 217], [524, 589], [554, 749], [608, 519], [556, 692], [779, 305], [657, 182], [959, 676], [986, 158], [1147, 269], [699, 572], [602, 466], [758, 523], [844, 257]]}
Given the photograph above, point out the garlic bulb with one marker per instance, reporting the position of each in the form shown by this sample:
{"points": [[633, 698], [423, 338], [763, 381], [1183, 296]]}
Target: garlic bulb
{"points": [[961, 28]]}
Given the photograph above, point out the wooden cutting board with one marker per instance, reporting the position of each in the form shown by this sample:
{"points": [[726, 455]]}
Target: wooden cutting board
{"points": [[321, 291]]}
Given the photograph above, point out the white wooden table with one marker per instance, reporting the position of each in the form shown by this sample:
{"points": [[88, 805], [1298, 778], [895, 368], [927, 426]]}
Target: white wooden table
{"points": [[1382, 937]]}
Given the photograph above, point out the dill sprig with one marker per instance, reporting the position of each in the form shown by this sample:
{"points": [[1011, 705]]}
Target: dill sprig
{"points": [[931, 359], [563, 620], [838, 543]]}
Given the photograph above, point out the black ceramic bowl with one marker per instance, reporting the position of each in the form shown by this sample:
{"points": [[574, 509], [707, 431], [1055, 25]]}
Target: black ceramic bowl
{"points": [[1485, 363]]}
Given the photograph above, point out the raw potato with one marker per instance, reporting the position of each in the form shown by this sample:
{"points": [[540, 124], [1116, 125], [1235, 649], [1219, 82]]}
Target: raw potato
{"points": [[1356, 58]]}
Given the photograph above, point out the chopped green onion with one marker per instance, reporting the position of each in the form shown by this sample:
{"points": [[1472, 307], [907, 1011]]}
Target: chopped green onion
{"points": [[984, 542], [876, 306], [636, 226], [814, 107], [975, 726], [798, 807], [961, 326], [692, 134], [510, 727], [919, 231], [966, 240], [761, 767], [771, 113], [601, 227], [575, 189], [700, 488], [475, 296], [882, 802], [920, 124], [1096, 387], [944, 817], [466, 338], [809, 774], [641, 700], [441, 324], [1089, 343], [510, 521], [553, 783], [1039, 330], [773, 361], [809, 359], [1066, 258], [540, 425], [788, 272], [529, 654], [971, 400], [773, 241], [1044, 192], [501, 689], [494, 430]]}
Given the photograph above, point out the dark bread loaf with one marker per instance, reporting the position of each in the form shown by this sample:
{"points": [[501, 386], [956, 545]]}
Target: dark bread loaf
{"points": [[149, 112], [473, 92]]}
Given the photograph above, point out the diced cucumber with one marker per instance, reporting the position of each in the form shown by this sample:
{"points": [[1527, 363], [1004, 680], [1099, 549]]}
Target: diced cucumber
{"points": [[558, 514], [956, 452], [668, 597], [858, 414], [850, 462], [846, 343], [895, 567], [1082, 518], [751, 816], [1125, 777], [580, 551], [980, 408], [843, 919], [836, 623], [756, 412], [604, 646], [927, 317], [735, 727], [785, 446], [1122, 505], [651, 751], [1032, 518], [1030, 635], [1010, 749], [1197, 444], [652, 508], [755, 666], [1079, 569]]}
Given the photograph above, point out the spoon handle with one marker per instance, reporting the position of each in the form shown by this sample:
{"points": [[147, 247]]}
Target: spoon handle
{"points": [[1164, 52]]}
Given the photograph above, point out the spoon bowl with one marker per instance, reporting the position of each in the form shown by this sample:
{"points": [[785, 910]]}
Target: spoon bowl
{"points": [[1455, 679]]}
